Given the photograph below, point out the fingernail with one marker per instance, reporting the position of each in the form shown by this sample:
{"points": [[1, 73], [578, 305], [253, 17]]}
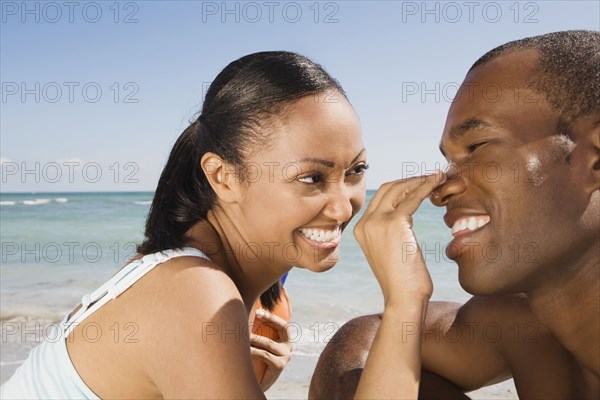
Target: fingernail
{"points": [[260, 312], [442, 176]]}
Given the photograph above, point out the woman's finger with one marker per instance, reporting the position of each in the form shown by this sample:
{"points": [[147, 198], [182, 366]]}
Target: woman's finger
{"points": [[409, 203], [413, 187], [392, 187], [272, 360], [265, 343], [376, 199], [274, 321]]}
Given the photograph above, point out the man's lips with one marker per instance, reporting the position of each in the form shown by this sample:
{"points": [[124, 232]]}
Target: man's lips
{"points": [[470, 224], [462, 220]]}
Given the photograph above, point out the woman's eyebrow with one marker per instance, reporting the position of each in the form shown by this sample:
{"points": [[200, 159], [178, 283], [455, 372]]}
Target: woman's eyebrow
{"points": [[327, 163], [357, 156]]}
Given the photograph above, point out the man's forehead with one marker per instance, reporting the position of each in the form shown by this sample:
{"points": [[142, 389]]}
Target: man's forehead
{"points": [[500, 83], [513, 66], [491, 89]]}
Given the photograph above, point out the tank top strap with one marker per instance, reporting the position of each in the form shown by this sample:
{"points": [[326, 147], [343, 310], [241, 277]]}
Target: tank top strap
{"points": [[122, 281]]}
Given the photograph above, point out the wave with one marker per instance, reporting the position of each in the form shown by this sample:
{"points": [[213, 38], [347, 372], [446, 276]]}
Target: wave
{"points": [[29, 314], [143, 203], [36, 202]]}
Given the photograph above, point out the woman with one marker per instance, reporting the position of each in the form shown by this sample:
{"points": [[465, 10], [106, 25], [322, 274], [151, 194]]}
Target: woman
{"points": [[265, 179]]}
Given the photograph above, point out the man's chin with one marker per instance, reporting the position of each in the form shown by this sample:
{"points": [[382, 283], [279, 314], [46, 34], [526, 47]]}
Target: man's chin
{"points": [[477, 286], [484, 286]]}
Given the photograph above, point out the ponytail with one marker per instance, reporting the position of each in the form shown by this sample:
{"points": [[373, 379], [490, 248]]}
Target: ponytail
{"points": [[246, 92], [182, 198]]}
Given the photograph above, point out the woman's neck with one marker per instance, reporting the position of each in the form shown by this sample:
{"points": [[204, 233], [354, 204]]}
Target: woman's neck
{"points": [[225, 245]]}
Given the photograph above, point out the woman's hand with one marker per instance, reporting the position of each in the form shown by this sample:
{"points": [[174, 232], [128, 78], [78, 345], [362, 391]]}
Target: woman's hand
{"points": [[386, 237], [274, 353], [393, 366]]}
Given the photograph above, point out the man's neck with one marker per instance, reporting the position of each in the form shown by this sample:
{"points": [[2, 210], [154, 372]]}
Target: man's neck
{"points": [[570, 308]]}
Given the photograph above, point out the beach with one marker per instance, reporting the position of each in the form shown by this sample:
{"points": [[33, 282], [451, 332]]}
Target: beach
{"points": [[58, 246]]}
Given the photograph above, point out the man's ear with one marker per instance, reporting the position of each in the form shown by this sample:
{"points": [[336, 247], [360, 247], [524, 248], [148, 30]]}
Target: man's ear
{"points": [[221, 176], [589, 140]]}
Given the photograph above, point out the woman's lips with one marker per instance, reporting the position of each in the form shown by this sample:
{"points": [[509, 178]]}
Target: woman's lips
{"points": [[322, 238]]}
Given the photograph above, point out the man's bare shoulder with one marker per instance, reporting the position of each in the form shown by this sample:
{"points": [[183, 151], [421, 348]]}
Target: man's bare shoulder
{"points": [[479, 343], [490, 339]]}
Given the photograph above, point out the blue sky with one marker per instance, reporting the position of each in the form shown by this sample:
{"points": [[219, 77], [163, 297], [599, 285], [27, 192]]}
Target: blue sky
{"points": [[94, 94]]}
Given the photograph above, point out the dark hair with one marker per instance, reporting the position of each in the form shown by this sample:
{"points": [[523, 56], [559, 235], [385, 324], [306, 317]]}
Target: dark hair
{"points": [[568, 71], [241, 100]]}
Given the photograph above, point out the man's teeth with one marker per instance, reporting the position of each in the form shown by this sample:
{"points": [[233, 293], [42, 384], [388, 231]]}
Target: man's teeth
{"points": [[319, 235], [470, 223]]}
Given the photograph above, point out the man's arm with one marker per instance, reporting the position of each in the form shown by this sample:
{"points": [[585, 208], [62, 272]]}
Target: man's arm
{"points": [[485, 341], [340, 365]]}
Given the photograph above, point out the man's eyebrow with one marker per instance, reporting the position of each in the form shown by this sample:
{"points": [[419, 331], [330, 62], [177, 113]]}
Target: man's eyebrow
{"points": [[461, 129], [327, 163]]}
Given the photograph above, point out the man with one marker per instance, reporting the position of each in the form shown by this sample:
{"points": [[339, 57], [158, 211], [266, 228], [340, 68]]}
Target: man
{"points": [[523, 201]]}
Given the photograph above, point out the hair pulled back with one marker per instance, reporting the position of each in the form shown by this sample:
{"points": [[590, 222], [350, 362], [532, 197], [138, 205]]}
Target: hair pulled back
{"points": [[237, 104]]}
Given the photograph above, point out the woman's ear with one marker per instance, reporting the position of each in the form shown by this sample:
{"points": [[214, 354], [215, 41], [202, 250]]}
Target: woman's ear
{"points": [[222, 177]]}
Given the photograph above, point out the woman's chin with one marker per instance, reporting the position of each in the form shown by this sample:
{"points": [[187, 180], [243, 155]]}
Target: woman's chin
{"points": [[320, 266]]}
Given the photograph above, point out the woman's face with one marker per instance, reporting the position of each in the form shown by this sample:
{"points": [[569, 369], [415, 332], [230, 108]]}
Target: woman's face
{"points": [[301, 190]]}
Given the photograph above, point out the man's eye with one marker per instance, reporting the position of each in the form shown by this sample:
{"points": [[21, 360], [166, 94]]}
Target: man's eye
{"points": [[315, 178], [474, 146]]}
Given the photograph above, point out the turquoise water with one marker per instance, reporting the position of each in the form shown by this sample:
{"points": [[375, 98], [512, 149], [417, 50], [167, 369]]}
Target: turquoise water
{"points": [[55, 247]]}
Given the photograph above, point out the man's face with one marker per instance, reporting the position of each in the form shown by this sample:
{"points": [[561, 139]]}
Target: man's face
{"points": [[510, 198]]}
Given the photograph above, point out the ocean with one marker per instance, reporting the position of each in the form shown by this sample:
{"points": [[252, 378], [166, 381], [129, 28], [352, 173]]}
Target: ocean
{"points": [[55, 247]]}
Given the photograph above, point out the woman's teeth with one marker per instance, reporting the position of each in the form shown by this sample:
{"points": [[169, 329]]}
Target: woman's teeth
{"points": [[470, 223], [319, 235]]}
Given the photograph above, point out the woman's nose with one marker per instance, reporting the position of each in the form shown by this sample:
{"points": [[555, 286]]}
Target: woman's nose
{"points": [[339, 205]]}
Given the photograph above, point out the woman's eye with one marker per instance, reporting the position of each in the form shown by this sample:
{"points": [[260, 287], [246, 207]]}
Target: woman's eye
{"points": [[315, 178], [359, 169]]}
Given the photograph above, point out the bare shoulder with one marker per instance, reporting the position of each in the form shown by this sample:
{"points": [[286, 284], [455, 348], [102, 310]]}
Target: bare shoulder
{"points": [[540, 364], [340, 364], [189, 272], [503, 322], [490, 339], [191, 289], [197, 320]]}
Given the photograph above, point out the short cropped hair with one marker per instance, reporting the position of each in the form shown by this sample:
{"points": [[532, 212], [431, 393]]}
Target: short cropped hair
{"points": [[568, 73]]}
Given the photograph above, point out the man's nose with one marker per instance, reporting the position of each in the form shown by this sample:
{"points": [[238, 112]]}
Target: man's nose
{"points": [[455, 184]]}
